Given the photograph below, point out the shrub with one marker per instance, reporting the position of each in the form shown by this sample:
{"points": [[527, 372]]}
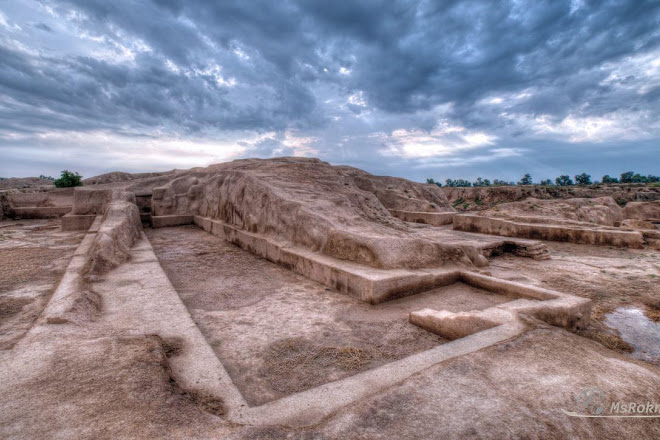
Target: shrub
{"points": [[433, 182], [68, 179]]}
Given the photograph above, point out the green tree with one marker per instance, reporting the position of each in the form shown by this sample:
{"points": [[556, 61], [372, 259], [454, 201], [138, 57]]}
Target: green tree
{"points": [[583, 179], [433, 182], [563, 180], [68, 179], [457, 183], [546, 182], [526, 180], [481, 182], [626, 177], [637, 178], [608, 179]]}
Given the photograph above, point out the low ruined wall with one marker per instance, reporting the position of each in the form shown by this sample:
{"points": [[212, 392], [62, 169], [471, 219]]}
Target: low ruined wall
{"points": [[486, 225], [36, 203], [642, 210], [118, 232], [427, 218], [480, 198]]}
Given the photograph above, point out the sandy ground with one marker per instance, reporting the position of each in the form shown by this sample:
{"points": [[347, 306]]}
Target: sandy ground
{"points": [[611, 277], [277, 332], [33, 257], [95, 383]]}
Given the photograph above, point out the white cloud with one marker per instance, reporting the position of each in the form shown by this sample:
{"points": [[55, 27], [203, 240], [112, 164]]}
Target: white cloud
{"points": [[444, 140], [615, 126]]}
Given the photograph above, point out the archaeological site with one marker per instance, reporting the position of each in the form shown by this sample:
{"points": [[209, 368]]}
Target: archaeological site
{"points": [[292, 298]]}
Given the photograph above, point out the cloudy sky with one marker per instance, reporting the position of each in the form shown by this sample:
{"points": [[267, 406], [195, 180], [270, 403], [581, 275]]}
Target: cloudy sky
{"points": [[409, 88]]}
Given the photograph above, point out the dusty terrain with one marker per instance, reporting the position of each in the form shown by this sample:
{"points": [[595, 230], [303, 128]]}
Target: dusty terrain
{"points": [[240, 302], [34, 255], [231, 323]]}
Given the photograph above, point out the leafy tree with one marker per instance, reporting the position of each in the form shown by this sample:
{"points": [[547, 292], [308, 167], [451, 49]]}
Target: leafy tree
{"points": [[546, 182], [68, 179], [563, 180], [457, 183], [481, 182], [583, 179], [626, 177], [608, 179], [651, 178], [526, 180], [498, 182], [433, 182]]}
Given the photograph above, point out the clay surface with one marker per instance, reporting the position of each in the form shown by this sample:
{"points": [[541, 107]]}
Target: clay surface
{"points": [[211, 325]]}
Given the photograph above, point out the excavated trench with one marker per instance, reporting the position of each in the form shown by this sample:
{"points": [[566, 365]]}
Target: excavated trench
{"points": [[279, 333]]}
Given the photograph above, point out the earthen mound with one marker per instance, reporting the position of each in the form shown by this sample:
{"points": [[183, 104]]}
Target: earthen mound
{"points": [[309, 203]]}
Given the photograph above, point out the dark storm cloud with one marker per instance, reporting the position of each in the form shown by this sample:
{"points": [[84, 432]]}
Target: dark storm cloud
{"points": [[342, 76]]}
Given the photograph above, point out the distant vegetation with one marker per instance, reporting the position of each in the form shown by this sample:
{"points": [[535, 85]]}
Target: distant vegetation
{"points": [[42, 177], [68, 179], [563, 180]]}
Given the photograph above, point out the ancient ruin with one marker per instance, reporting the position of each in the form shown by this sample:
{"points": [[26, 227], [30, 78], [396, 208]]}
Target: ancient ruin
{"points": [[260, 298]]}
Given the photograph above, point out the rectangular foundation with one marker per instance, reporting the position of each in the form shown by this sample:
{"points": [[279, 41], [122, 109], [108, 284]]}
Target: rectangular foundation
{"points": [[368, 284]]}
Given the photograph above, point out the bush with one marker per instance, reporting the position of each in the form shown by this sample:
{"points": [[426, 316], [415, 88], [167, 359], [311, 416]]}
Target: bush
{"points": [[68, 179], [433, 182]]}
